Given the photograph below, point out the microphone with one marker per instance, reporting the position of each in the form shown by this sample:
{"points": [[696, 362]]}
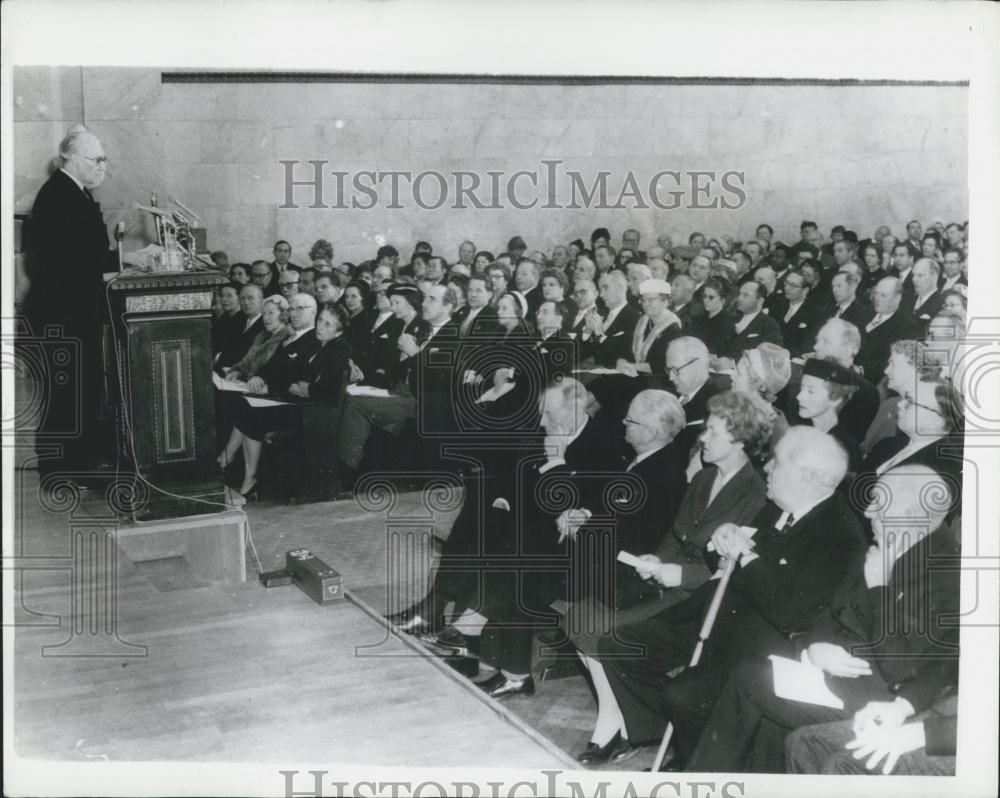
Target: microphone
{"points": [[119, 231]]}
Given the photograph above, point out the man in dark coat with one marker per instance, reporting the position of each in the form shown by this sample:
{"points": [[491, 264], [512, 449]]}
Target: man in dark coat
{"points": [[67, 248], [578, 452], [887, 639], [790, 561], [889, 325], [754, 327]]}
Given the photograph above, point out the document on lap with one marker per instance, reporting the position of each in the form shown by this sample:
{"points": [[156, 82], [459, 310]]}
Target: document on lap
{"points": [[228, 385], [802, 682], [260, 401], [367, 390], [597, 371]]}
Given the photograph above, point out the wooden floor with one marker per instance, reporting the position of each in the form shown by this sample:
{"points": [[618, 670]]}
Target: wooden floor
{"points": [[195, 671]]}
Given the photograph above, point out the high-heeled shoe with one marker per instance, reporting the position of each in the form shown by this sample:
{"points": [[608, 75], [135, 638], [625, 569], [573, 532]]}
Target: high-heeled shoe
{"points": [[250, 494]]}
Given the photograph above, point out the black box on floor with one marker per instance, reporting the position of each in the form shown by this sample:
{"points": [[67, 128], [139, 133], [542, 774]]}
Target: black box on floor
{"points": [[317, 579], [275, 578]]}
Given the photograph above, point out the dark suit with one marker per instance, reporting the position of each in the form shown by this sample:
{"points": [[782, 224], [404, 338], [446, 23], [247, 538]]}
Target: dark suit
{"points": [[617, 339], [902, 629], [239, 341], [857, 313], [768, 601], [67, 252], [696, 411], [763, 329], [876, 343], [799, 332], [716, 332], [528, 534], [924, 314], [390, 413], [483, 323]]}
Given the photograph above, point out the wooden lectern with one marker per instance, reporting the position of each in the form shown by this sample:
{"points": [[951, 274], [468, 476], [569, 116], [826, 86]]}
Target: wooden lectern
{"points": [[158, 365]]}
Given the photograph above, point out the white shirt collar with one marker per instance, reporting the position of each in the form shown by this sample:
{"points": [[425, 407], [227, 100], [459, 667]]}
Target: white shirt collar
{"points": [[800, 512], [296, 335]]}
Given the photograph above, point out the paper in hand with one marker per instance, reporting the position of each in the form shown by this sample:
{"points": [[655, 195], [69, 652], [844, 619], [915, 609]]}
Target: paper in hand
{"points": [[628, 559], [802, 682]]}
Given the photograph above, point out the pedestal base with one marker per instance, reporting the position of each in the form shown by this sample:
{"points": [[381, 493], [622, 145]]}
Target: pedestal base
{"points": [[214, 546]]}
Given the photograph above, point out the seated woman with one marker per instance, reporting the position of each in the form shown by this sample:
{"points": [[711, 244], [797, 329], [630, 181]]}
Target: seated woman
{"points": [[492, 372], [315, 374], [654, 331], [727, 490], [716, 326], [826, 388], [909, 362], [274, 314], [929, 431], [499, 276], [554, 284], [358, 302], [228, 323]]}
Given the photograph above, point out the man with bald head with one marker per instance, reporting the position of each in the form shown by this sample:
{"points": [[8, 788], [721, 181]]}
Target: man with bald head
{"points": [[67, 254], [926, 301], [889, 325]]}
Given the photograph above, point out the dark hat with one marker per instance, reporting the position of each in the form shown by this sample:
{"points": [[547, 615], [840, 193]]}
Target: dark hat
{"points": [[409, 292], [600, 232], [516, 243], [828, 370]]}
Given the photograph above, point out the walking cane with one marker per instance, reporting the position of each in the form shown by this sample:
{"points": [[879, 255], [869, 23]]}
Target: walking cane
{"points": [[706, 630]]}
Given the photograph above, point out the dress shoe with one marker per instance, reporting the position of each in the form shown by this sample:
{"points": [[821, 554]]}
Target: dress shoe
{"points": [[405, 614], [501, 687], [617, 749], [451, 642], [419, 625]]}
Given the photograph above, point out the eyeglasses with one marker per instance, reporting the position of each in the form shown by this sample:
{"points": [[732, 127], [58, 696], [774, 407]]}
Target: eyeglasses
{"points": [[98, 160], [909, 401], [628, 420], [790, 284], [300, 307], [674, 371]]}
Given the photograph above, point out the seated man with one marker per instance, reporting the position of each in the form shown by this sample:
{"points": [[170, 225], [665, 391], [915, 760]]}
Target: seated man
{"points": [[923, 746], [789, 563], [754, 327], [887, 645], [687, 369], [890, 324], [516, 604], [419, 381]]}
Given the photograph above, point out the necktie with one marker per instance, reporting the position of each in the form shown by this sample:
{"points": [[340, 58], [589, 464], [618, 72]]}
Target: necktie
{"points": [[649, 329], [788, 523]]}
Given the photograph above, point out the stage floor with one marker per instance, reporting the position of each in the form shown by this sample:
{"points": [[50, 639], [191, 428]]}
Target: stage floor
{"points": [[156, 664]]}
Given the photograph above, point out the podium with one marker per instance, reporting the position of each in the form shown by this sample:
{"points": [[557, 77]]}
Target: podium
{"points": [[158, 368]]}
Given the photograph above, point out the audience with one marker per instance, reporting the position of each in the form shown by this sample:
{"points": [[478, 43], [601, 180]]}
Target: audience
{"points": [[815, 362]]}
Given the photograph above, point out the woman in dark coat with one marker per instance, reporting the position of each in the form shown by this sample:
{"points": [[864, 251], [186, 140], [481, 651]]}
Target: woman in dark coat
{"points": [[315, 376], [716, 326]]}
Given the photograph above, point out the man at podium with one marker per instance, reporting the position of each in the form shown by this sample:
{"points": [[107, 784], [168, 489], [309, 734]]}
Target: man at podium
{"points": [[67, 248]]}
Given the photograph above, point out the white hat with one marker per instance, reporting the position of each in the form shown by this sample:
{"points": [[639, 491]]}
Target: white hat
{"points": [[654, 286]]}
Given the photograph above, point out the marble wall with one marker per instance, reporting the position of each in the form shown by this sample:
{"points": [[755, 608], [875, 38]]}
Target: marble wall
{"points": [[856, 155]]}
